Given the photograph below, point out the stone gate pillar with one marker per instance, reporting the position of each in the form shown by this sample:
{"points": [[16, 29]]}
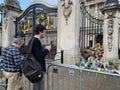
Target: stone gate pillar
{"points": [[111, 29], [69, 20], [10, 10]]}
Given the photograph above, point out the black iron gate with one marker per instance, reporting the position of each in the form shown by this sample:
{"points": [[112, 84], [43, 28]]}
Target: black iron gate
{"points": [[0, 31], [34, 14], [91, 31]]}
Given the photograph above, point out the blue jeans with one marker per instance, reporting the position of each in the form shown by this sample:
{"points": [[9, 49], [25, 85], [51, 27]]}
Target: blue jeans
{"points": [[40, 84]]}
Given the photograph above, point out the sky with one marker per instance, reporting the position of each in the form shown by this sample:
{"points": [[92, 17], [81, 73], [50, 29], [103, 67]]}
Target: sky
{"points": [[25, 3]]}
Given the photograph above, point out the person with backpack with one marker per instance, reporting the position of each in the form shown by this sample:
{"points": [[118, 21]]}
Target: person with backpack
{"points": [[39, 53]]}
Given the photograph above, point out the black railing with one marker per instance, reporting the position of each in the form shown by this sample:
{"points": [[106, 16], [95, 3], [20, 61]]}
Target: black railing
{"points": [[91, 30], [0, 18], [51, 56]]}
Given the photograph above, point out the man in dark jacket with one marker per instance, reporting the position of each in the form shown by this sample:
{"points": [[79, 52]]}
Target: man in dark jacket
{"points": [[39, 53]]}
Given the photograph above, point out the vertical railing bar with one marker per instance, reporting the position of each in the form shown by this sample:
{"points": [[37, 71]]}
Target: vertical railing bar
{"points": [[82, 38], [115, 83], [82, 31], [105, 82], [57, 78], [88, 81], [62, 56], [88, 31], [86, 28], [63, 79], [48, 77], [93, 29], [94, 33], [81, 79], [74, 80], [68, 81], [96, 81], [52, 79]]}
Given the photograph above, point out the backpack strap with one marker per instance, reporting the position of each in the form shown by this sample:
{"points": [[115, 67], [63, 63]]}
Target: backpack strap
{"points": [[30, 46]]}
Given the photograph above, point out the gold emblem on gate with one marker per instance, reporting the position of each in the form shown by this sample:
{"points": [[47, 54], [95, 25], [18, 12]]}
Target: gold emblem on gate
{"points": [[45, 20], [25, 25]]}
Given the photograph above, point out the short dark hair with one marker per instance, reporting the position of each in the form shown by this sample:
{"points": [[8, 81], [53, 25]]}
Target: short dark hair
{"points": [[39, 28]]}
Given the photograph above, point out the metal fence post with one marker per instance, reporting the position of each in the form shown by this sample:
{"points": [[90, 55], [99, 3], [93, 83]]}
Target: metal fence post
{"points": [[61, 56]]}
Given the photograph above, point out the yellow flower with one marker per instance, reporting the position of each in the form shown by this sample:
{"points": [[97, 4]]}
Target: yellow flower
{"points": [[99, 68]]}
